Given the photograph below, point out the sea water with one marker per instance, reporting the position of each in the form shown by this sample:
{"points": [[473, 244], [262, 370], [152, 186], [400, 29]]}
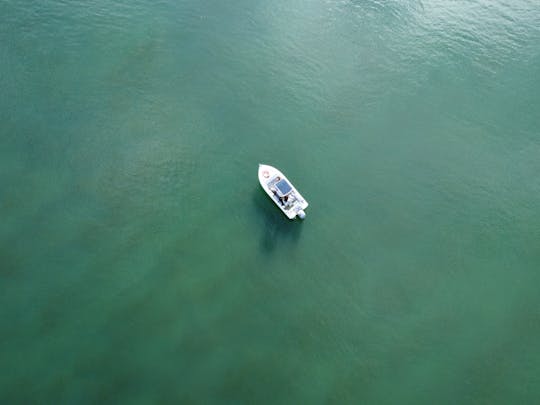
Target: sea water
{"points": [[140, 262]]}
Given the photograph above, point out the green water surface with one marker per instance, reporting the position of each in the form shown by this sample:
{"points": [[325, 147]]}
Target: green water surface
{"points": [[140, 262]]}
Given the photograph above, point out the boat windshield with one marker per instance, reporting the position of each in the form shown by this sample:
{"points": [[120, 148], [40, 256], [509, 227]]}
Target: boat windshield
{"points": [[283, 187]]}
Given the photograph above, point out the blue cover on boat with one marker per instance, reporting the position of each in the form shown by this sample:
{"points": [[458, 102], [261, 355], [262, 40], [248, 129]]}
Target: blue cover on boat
{"points": [[283, 187]]}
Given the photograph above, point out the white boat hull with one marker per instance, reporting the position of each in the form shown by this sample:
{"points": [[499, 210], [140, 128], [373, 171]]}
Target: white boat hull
{"points": [[294, 205]]}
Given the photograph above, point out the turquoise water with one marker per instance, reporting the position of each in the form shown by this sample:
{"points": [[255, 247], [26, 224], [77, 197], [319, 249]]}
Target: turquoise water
{"points": [[141, 263]]}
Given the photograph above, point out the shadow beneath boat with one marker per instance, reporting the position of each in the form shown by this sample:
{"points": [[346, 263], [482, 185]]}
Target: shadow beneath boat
{"points": [[276, 228]]}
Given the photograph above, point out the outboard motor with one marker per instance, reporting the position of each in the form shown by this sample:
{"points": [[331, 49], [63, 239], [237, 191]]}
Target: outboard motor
{"points": [[301, 214]]}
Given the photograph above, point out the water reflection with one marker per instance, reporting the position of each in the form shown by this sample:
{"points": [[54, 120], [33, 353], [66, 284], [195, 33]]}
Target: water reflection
{"points": [[276, 229]]}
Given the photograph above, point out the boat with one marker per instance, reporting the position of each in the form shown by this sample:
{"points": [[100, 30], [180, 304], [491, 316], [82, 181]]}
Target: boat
{"points": [[282, 192]]}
